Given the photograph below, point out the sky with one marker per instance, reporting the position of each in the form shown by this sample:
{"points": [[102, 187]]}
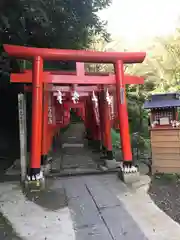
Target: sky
{"points": [[135, 20]]}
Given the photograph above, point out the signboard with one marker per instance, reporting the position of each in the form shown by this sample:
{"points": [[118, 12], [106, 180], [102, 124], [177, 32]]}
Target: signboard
{"points": [[164, 121]]}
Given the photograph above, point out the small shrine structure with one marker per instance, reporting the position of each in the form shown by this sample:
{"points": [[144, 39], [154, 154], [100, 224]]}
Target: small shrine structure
{"points": [[164, 132]]}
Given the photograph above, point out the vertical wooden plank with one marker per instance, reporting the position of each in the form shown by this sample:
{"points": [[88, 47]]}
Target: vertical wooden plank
{"points": [[22, 134]]}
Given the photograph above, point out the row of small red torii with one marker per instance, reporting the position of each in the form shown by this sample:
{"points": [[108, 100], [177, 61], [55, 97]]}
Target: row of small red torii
{"points": [[44, 84]]}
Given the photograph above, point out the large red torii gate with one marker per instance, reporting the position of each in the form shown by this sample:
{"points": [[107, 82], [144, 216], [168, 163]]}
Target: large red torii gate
{"points": [[38, 77]]}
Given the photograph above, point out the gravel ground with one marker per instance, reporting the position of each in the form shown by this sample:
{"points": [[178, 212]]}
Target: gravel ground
{"points": [[6, 230], [165, 191], [8, 153]]}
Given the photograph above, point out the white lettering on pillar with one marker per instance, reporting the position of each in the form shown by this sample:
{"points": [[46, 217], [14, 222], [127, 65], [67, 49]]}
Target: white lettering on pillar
{"points": [[122, 95], [50, 111]]}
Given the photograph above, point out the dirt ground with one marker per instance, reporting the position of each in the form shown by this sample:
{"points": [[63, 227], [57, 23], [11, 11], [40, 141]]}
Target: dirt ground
{"points": [[165, 191]]}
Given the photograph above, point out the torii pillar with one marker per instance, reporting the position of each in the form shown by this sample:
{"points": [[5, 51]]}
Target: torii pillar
{"points": [[37, 102], [123, 116], [105, 124]]}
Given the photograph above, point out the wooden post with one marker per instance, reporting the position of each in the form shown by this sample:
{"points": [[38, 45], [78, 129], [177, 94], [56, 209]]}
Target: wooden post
{"points": [[22, 134]]}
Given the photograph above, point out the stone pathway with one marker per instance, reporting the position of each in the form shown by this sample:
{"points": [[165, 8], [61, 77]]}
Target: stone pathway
{"points": [[74, 156], [86, 207], [90, 211], [96, 213]]}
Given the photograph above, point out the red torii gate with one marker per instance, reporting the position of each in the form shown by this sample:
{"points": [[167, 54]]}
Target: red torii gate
{"points": [[84, 91], [57, 77], [38, 77]]}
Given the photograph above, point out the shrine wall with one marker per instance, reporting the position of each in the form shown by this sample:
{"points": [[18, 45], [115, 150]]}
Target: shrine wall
{"points": [[165, 144]]}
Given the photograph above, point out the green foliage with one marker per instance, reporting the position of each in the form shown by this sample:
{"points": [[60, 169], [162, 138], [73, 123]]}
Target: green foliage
{"points": [[161, 70], [165, 178], [66, 24], [115, 138]]}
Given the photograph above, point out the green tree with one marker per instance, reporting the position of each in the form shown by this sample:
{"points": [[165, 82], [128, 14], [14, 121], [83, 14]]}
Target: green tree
{"points": [[51, 23], [68, 24]]}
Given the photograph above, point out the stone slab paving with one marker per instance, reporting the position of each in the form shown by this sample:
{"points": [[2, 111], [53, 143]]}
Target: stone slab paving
{"points": [[93, 205]]}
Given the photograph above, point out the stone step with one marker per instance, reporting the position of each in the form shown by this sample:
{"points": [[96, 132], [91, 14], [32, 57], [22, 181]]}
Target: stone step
{"points": [[76, 145]]}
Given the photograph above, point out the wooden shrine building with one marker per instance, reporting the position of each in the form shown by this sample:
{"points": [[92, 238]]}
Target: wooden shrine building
{"points": [[164, 132]]}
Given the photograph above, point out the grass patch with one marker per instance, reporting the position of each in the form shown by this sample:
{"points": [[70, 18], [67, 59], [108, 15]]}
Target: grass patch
{"points": [[115, 139]]}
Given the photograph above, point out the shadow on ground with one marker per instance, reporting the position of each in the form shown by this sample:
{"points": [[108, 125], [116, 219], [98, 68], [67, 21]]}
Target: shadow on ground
{"points": [[50, 199], [6, 230]]}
